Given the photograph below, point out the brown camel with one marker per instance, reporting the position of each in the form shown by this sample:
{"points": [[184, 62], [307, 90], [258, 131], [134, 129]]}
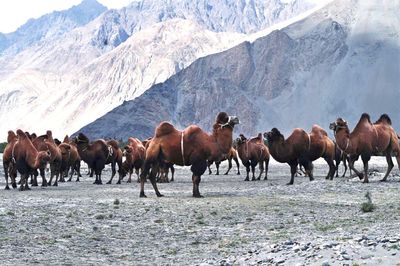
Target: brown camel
{"points": [[192, 146], [114, 158], [95, 154], [232, 155], [27, 158], [8, 163], [252, 152], [74, 159], [65, 159], [47, 143], [135, 154], [366, 140]]}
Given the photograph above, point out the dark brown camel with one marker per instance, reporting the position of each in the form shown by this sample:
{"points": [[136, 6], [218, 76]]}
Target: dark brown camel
{"points": [[366, 140], [192, 146], [8, 164], [47, 143], [95, 154], [232, 155], [114, 158], [252, 152], [74, 159], [27, 158], [135, 154]]}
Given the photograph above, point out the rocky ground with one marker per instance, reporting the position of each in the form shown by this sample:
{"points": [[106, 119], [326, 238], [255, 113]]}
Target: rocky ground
{"points": [[237, 223]]}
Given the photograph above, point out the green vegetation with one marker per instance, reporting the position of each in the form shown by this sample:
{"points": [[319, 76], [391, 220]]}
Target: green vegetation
{"points": [[2, 146], [367, 206]]}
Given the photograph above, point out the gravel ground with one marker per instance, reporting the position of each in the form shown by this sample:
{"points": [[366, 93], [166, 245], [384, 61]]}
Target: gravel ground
{"points": [[237, 223]]}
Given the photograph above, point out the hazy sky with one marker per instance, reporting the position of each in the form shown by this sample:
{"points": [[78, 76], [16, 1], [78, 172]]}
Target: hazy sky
{"points": [[14, 13]]}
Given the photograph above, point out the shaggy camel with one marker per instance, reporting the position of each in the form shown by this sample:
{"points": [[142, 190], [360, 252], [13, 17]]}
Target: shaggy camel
{"points": [[135, 154], [95, 154], [47, 143], [252, 152], [232, 155], [192, 146], [27, 158], [302, 148], [366, 140], [8, 164], [74, 159]]}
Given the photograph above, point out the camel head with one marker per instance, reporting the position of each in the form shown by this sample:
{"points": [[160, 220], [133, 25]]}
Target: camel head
{"points": [[81, 139], [223, 120], [11, 136], [274, 136], [65, 149], [128, 150], [43, 157], [57, 141], [340, 123], [240, 140]]}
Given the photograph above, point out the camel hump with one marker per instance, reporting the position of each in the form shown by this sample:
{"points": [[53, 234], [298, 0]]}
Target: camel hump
{"points": [[365, 116], [113, 143], [134, 141], [21, 134], [165, 128], [49, 135], [319, 130], [258, 139], [384, 119], [65, 146], [11, 136], [66, 139]]}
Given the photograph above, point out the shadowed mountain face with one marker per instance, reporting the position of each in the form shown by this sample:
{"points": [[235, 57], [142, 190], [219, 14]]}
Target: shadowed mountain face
{"points": [[328, 65]]}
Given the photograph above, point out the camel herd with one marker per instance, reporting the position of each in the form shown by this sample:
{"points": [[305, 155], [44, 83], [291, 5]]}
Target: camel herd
{"points": [[153, 158]]}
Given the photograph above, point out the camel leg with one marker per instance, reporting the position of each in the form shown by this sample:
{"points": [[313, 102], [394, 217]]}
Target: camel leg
{"points": [[198, 170], [337, 163], [113, 172], [308, 166], [344, 159], [365, 159], [390, 166], [70, 173], [172, 173], [237, 165], [332, 169], [6, 167], [56, 172], [253, 169], [247, 165], [152, 178], [352, 160], [26, 182], [266, 168], [293, 171], [42, 175], [229, 166], [261, 166], [217, 164]]}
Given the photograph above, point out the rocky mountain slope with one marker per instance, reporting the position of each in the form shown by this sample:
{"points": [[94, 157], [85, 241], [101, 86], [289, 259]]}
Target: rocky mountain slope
{"points": [[341, 61], [64, 82]]}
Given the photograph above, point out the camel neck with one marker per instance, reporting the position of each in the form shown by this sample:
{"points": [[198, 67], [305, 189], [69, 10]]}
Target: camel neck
{"points": [[280, 151], [343, 141]]}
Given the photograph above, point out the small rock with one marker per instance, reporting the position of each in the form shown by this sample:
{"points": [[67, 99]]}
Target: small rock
{"points": [[346, 257], [325, 263], [289, 243], [371, 243], [365, 257], [393, 240]]}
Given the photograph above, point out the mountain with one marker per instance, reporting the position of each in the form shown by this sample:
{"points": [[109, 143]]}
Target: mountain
{"points": [[67, 81], [51, 25], [342, 60]]}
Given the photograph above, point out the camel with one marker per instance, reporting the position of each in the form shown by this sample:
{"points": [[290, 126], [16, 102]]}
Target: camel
{"points": [[366, 140], [8, 164], [164, 168], [27, 158], [47, 143], [232, 155], [74, 159], [302, 148], [95, 154], [340, 156], [192, 146], [252, 152], [114, 158], [65, 150], [135, 154]]}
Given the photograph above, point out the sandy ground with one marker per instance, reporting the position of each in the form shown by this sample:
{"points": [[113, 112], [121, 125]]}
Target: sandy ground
{"points": [[237, 223]]}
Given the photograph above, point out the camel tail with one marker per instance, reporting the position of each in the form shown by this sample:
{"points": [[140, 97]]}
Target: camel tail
{"points": [[384, 119]]}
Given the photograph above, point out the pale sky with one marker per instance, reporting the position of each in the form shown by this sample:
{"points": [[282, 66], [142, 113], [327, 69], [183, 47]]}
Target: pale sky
{"points": [[14, 13]]}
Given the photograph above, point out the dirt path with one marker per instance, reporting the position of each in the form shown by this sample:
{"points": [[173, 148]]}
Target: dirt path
{"points": [[237, 223]]}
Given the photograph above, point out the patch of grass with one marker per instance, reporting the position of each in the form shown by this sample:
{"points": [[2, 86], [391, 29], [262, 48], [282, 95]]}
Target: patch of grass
{"points": [[356, 264], [116, 202], [367, 206], [395, 246], [172, 251], [213, 213], [159, 221], [325, 227], [10, 213]]}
